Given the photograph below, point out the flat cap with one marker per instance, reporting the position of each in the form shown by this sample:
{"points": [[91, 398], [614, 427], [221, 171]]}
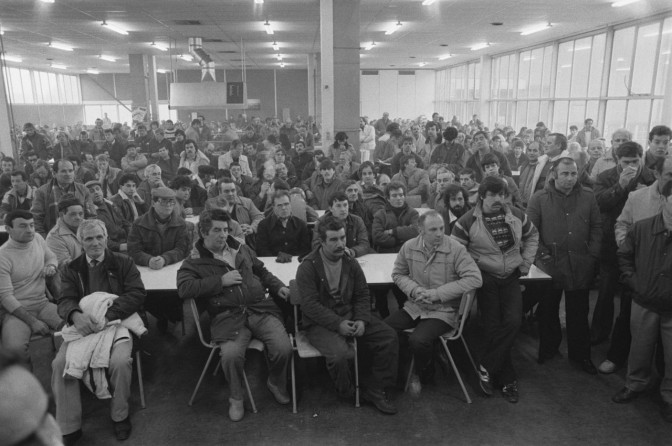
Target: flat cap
{"points": [[163, 192]]}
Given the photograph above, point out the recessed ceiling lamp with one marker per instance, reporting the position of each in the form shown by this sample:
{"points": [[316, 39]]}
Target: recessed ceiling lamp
{"points": [[282, 65], [422, 64], [159, 46], [58, 66], [368, 46], [60, 46], [445, 56], [7, 58], [107, 58], [535, 29], [2, 30], [114, 28], [278, 56], [92, 71], [48, 1], [620, 3], [480, 46], [162, 71], [268, 28], [186, 57], [394, 28], [427, 2], [258, 2], [275, 46]]}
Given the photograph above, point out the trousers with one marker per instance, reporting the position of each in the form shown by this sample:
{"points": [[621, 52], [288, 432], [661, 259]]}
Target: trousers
{"points": [[16, 333], [578, 332]]}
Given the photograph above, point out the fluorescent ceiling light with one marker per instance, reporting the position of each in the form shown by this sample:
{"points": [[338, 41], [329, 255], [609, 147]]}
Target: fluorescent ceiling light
{"points": [[186, 57], [114, 28], [48, 1], [159, 46], [60, 46], [394, 28], [535, 29], [278, 56], [528, 58], [107, 58], [427, 2], [445, 56], [569, 65], [480, 46], [92, 71], [422, 64], [7, 58], [2, 30], [259, 2], [58, 66], [275, 46], [162, 70], [620, 3], [623, 69], [368, 46], [268, 28], [282, 65]]}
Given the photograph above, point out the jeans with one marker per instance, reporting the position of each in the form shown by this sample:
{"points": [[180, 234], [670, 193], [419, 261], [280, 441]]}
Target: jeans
{"points": [[66, 389], [269, 330], [501, 305], [16, 333], [421, 342], [379, 340], [578, 332]]}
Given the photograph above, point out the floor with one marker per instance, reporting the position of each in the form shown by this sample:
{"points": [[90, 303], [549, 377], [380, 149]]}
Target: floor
{"points": [[558, 405]]}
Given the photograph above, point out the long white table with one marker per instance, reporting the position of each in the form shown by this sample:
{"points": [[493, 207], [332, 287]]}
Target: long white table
{"points": [[377, 269]]}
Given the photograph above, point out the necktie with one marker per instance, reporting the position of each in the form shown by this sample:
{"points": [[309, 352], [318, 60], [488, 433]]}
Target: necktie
{"points": [[94, 262]]}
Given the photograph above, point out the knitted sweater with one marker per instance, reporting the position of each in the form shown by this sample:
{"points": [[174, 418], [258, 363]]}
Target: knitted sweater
{"points": [[21, 278]]}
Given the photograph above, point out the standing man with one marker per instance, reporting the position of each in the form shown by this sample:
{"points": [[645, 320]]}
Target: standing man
{"points": [[97, 270], [367, 139], [587, 133], [25, 262], [608, 160], [434, 271], [555, 147], [482, 146], [659, 144], [381, 124], [503, 241], [568, 219], [235, 155], [612, 190], [336, 306], [527, 173], [232, 282]]}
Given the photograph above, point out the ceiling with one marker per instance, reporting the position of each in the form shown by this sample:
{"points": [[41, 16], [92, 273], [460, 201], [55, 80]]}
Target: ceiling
{"points": [[230, 26]]}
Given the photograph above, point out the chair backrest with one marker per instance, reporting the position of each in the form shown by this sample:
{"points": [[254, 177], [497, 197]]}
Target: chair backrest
{"points": [[463, 313], [295, 300], [197, 322]]}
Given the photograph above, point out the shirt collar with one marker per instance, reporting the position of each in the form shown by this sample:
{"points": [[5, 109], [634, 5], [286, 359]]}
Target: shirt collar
{"points": [[100, 259]]}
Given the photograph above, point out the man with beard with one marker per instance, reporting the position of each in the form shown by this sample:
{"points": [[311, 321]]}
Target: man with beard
{"points": [[568, 219], [455, 205], [117, 227]]}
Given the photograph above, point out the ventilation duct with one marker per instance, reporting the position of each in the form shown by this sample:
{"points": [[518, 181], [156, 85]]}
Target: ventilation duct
{"points": [[203, 59]]}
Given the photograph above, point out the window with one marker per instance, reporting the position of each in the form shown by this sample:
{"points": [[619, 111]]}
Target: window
{"points": [[621, 62]]}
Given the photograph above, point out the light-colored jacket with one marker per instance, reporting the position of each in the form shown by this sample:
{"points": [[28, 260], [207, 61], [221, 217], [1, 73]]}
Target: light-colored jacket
{"points": [[224, 161], [605, 162], [64, 243], [448, 273], [642, 203], [200, 160]]}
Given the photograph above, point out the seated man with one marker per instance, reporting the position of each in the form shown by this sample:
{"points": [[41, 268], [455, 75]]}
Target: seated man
{"points": [[237, 303], [467, 179], [444, 177], [336, 305], [281, 232], [152, 181], [62, 239], [182, 186], [25, 261], [117, 226], [395, 224], [20, 196], [434, 272], [97, 269], [490, 165], [455, 205], [415, 180], [321, 185], [127, 199], [356, 204], [356, 236], [242, 209], [134, 162]]}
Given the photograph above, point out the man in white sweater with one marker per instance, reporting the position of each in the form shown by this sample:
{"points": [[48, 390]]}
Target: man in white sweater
{"points": [[25, 262]]}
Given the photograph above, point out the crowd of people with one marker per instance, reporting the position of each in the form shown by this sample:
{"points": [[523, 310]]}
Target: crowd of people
{"points": [[81, 214]]}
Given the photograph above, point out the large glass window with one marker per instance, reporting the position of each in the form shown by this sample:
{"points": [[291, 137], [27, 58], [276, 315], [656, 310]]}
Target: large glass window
{"points": [[621, 62], [581, 67], [40, 87]]}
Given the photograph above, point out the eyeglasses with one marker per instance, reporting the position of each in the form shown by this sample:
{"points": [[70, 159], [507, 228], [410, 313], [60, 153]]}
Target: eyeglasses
{"points": [[166, 202]]}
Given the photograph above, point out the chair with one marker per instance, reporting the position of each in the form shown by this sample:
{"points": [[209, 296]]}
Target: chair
{"points": [[453, 335], [304, 348], [255, 344]]}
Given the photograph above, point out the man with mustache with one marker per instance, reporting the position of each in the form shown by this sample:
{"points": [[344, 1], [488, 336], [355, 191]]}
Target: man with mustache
{"points": [[503, 241], [455, 205]]}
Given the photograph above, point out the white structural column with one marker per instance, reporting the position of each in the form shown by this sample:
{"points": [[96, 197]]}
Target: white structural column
{"points": [[6, 145], [667, 101], [312, 80], [327, 70], [153, 98], [485, 90]]}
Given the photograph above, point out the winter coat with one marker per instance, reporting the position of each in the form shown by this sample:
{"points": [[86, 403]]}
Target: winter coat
{"points": [[356, 236], [147, 240], [45, 204], [404, 227]]}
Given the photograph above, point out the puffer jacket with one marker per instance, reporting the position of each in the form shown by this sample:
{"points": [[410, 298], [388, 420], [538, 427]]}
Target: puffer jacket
{"points": [[404, 227], [470, 230], [146, 240], [570, 230], [200, 278]]}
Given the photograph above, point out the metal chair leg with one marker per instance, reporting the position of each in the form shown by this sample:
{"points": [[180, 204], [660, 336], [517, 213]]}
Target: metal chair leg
{"points": [[249, 392], [293, 385], [356, 374], [200, 380], [410, 372], [457, 373], [471, 358], [141, 386]]}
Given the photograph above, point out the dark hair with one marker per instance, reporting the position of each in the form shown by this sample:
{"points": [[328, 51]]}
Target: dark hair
{"points": [[279, 193], [364, 165], [279, 184], [394, 185], [129, 145], [489, 158], [272, 139], [517, 142], [667, 189], [573, 127], [207, 217], [327, 164], [9, 159], [184, 171], [16, 173], [29, 153], [181, 181], [235, 143], [140, 126], [467, 171], [337, 196], [340, 136], [195, 121], [190, 141], [407, 138], [125, 178], [481, 132], [330, 223], [281, 152], [58, 162], [206, 170], [629, 149], [108, 131], [658, 166], [75, 159], [451, 191], [180, 132], [494, 185], [405, 159], [561, 139], [221, 173], [450, 134], [660, 130], [17, 213]]}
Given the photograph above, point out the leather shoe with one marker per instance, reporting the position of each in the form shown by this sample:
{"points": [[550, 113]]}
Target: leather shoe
{"points": [[607, 367], [379, 399], [72, 438], [236, 409], [122, 429], [280, 395], [587, 366], [666, 412], [625, 395]]}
